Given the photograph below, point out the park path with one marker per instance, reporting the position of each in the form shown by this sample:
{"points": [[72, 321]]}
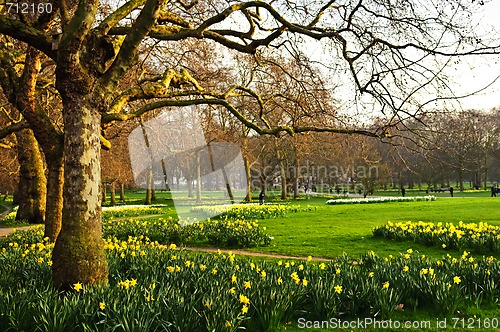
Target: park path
{"points": [[4, 231], [254, 254]]}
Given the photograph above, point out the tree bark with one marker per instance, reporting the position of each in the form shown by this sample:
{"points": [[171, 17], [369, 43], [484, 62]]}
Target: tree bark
{"points": [[113, 193], [153, 192], [55, 183], [104, 193], [32, 182], [198, 178], [296, 179], [148, 189], [284, 193], [78, 254], [122, 192], [248, 197]]}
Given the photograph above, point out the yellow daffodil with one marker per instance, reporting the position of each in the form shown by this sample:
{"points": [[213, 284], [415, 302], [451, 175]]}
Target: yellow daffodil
{"points": [[245, 300], [78, 286]]}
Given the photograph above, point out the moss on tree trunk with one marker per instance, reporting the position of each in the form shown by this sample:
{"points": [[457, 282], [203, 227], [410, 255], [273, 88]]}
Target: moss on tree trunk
{"points": [[78, 254], [55, 182], [32, 182]]}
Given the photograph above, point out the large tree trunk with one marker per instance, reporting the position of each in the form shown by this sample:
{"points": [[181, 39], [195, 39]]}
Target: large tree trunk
{"points": [[78, 254], [50, 140], [32, 182], [55, 183]]}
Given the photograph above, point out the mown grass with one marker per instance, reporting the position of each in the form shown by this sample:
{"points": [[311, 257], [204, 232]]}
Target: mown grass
{"points": [[329, 231]]}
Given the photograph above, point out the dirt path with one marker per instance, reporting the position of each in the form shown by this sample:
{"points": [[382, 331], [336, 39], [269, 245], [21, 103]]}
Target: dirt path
{"points": [[254, 254]]}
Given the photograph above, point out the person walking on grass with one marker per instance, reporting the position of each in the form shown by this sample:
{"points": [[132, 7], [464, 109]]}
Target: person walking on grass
{"points": [[261, 197], [451, 191], [403, 191], [493, 191]]}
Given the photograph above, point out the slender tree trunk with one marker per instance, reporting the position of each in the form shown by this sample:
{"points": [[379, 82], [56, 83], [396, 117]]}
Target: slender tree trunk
{"points": [[55, 183], [150, 194], [122, 192], [198, 178], [284, 193], [165, 177], [78, 255], [150, 184], [153, 192], [32, 182], [296, 179], [485, 183], [104, 192], [461, 179], [112, 190], [248, 197], [190, 186]]}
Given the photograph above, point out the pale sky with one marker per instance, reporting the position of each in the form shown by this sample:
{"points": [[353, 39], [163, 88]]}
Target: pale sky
{"points": [[471, 75], [485, 71]]}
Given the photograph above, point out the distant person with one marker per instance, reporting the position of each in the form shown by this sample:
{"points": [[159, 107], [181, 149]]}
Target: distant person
{"points": [[451, 191], [493, 191], [261, 197], [403, 191]]}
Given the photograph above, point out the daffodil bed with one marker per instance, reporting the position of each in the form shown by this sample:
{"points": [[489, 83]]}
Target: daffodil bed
{"points": [[154, 286], [368, 200], [113, 212], [251, 211], [480, 237], [224, 232]]}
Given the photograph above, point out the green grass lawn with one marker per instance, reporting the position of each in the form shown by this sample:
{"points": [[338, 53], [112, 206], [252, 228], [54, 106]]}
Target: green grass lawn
{"points": [[332, 230]]}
